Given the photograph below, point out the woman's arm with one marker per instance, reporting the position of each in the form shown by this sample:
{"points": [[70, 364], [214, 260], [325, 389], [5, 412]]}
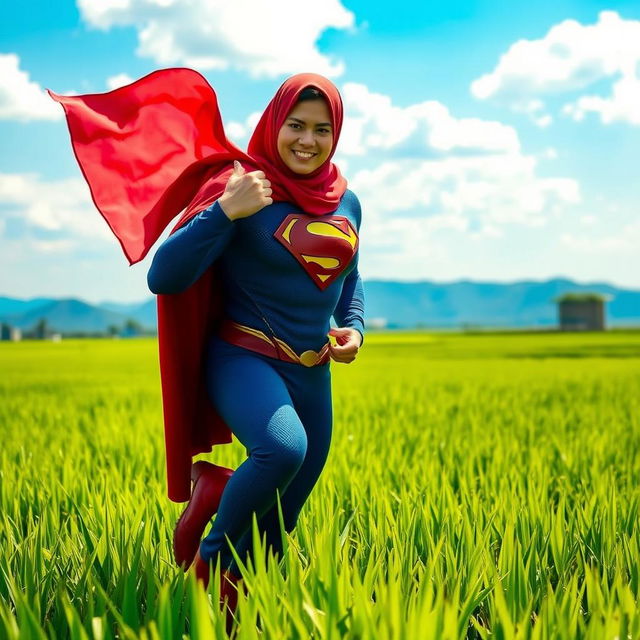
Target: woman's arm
{"points": [[349, 311], [185, 255]]}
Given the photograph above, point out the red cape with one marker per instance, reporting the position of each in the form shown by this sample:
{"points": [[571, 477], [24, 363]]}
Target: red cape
{"points": [[153, 149]]}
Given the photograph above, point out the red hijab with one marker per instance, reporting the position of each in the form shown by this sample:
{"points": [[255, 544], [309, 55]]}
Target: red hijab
{"points": [[154, 148]]}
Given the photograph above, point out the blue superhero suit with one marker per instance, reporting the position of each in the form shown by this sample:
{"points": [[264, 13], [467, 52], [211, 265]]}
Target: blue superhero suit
{"points": [[294, 271]]}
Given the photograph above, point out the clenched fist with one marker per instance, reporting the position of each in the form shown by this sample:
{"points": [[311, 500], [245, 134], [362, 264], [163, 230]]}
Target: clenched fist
{"points": [[349, 341], [245, 193]]}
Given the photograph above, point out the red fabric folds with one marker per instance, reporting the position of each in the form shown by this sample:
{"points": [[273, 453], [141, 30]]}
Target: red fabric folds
{"points": [[153, 149]]}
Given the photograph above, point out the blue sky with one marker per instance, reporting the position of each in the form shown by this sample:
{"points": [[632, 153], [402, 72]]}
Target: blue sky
{"points": [[483, 144]]}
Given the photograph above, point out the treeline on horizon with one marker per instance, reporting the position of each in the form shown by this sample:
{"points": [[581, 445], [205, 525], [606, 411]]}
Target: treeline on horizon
{"points": [[133, 329]]}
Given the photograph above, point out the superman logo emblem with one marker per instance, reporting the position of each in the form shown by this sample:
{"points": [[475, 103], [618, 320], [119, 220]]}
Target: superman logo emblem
{"points": [[324, 247]]}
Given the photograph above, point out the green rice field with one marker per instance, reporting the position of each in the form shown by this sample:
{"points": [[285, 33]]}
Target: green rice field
{"points": [[478, 486]]}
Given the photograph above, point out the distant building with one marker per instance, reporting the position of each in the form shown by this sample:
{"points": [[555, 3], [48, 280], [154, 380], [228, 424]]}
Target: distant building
{"points": [[376, 323], [9, 333], [581, 311]]}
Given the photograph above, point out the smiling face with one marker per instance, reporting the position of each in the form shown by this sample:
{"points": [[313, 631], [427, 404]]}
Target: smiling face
{"points": [[305, 139]]}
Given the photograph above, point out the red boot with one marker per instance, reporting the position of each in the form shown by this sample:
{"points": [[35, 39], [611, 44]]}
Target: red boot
{"points": [[201, 569], [209, 481], [230, 584]]}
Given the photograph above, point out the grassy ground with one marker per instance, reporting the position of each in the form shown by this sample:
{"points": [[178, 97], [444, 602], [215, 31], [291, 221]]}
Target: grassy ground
{"points": [[478, 486]]}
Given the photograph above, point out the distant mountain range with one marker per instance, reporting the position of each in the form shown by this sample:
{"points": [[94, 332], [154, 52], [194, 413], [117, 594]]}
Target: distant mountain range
{"points": [[485, 304], [524, 304], [76, 316]]}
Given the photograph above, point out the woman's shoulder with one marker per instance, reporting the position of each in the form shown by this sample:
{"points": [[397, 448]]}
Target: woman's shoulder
{"points": [[352, 204], [350, 197]]}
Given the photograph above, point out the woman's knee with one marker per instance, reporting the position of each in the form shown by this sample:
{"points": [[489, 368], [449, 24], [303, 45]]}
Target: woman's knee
{"points": [[283, 446]]}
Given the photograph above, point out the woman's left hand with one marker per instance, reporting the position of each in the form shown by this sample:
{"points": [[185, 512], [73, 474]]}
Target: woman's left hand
{"points": [[349, 341]]}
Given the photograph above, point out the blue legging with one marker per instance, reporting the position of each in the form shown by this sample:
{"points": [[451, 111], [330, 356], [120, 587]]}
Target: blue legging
{"points": [[282, 413]]}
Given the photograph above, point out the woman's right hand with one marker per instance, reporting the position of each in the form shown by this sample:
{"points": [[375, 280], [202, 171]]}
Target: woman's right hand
{"points": [[245, 193]]}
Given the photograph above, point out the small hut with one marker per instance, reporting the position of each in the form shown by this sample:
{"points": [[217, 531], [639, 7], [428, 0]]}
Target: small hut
{"points": [[7, 332], [581, 311]]}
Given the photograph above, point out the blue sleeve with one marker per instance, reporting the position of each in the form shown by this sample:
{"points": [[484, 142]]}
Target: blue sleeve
{"points": [[185, 255], [349, 311]]}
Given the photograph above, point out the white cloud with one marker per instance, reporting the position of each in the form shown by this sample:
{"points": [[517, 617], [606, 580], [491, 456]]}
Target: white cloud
{"points": [[491, 191], [61, 245], [372, 122], [235, 131], [622, 106], [265, 39], [61, 207], [240, 132], [55, 243], [571, 57], [20, 97], [626, 239], [429, 170], [535, 109], [119, 80]]}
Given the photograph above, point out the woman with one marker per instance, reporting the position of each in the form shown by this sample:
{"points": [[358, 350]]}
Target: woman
{"points": [[281, 281], [265, 253]]}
